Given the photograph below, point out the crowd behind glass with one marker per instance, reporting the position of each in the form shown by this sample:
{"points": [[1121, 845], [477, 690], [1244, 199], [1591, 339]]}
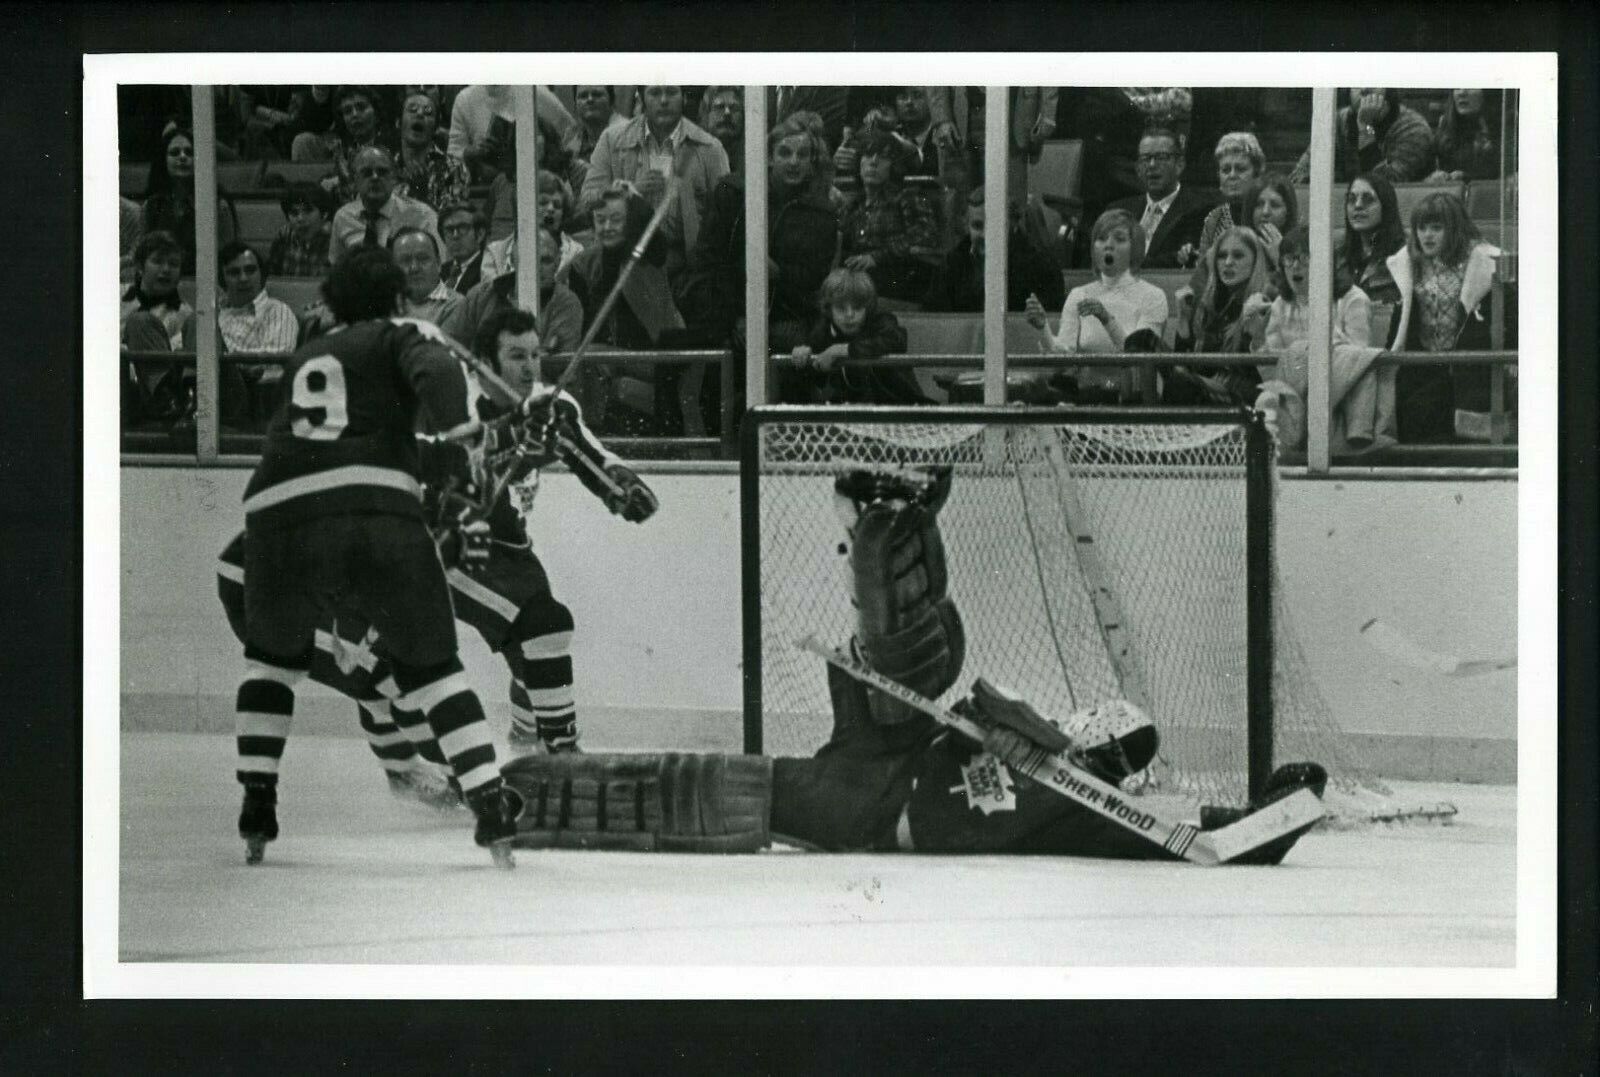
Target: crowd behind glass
{"points": [[1140, 219]]}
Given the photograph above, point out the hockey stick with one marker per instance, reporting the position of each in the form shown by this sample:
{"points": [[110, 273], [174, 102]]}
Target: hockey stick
{"points": [[616, 289], [1061, 775]]}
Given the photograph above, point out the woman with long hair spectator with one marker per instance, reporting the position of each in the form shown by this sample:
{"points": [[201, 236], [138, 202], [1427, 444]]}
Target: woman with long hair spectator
{"points": [[1444, 274], [1115, 312], [887, 234], [1228, 315], [1240, 163], [169, 198], [1352, 385], [1373, 233], [358, 122], [1271, 210], [1468, 136]]}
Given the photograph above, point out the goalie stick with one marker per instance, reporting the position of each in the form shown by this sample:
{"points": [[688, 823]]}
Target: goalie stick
{"points": [[1058, 773]]}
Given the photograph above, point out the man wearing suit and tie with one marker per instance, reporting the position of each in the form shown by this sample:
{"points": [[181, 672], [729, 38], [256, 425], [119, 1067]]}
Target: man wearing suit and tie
{"points": [[1170, 213]]}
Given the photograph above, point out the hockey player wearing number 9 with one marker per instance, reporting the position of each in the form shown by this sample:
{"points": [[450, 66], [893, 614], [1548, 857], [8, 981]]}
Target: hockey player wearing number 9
{"points": [[334, 525], [498, 584]]}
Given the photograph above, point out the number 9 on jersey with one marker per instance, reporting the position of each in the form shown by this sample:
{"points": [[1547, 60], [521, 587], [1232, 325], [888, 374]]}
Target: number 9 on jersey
{"points": [[317, 407]]}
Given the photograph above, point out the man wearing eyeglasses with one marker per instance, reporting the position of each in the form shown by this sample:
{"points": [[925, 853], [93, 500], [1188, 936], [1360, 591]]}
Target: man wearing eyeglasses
{"points": [[1170, 213], [377, 212]]}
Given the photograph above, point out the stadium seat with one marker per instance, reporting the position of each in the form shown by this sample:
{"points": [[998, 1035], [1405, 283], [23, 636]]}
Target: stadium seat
{"points": [[132, 180], [283, 173], [235, 176], [259, 223], [1059, 170], [1411, 194]]}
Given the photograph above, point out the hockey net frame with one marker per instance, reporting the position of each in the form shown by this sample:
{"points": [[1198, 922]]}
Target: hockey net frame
{"points": [[1273, 710]]}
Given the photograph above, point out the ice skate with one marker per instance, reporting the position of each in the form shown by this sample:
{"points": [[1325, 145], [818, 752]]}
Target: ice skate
{"points": [[498, 808], [258, 820]]}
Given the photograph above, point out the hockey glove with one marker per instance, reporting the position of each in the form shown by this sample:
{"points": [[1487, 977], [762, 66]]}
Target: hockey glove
{"points": [[633, 500], [538, 431]]}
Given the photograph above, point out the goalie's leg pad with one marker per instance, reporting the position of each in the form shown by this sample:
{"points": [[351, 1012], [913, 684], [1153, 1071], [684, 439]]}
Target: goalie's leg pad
{"points": [[671, 802], [925, 656]]}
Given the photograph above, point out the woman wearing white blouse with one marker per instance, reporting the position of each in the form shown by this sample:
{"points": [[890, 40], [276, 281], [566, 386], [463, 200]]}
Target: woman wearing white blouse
{"points": [[1113, 313]]}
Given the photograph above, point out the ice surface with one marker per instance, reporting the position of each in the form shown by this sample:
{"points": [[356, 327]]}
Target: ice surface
{"points": [[359, 877]]}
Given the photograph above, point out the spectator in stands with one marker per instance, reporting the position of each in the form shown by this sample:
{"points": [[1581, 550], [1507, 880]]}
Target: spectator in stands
{"points": [[889, 234], [1108, 124], [1240, 163], [849, 325], [272, 115], [1228, 316], [1170, 214], [560, 321], [802, 238], [154, 316], [1115, 312], [645, 308], [378, 211], [1444, 274], [301, 247], [250, 320], [481, 143], [1373, 232], [722, 114], [647, 150], [1272, 209], [644, 315], [155, 319], [596, 110], [358, 124], [1468, 137], [555, 211], [464, 229], [427, 173], [1352, 384], [426, 297], [169, 198], [1377, 135], [827, 103], [957, 283], [914, 112]]}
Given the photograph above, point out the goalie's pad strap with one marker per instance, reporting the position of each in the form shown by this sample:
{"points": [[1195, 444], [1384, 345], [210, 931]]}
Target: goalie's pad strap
{"points": [[672, 802]]}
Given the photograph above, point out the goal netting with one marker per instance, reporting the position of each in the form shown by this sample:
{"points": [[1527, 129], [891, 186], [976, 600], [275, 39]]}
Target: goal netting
{"points": [[1092, 555]]}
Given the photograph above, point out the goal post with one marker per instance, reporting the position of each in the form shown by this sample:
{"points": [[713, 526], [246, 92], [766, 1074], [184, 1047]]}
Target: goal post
{"points": [[1092, 552]]}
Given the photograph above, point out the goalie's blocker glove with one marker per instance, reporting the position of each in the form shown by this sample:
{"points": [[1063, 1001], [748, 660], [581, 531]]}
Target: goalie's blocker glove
{"points": [[632, 500]]}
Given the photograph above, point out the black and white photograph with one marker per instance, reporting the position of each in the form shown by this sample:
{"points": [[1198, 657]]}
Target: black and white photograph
{"points": [[1023, 538]]}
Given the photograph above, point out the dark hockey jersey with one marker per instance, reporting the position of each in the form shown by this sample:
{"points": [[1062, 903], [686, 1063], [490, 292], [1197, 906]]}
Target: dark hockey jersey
{"points": [[576, 447], [343, 440]]}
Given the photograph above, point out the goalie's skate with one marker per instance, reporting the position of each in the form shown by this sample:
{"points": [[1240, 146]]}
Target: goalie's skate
{"points": [[498, 808], [258, 820], [426, 786]]}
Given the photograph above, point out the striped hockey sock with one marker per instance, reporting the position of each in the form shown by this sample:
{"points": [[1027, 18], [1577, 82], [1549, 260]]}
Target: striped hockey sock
{"points": [[388, 742], [455, 715], [263, 712], [541, 693]]}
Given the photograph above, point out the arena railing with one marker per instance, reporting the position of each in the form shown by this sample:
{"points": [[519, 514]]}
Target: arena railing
{"points": [[172, 438]]}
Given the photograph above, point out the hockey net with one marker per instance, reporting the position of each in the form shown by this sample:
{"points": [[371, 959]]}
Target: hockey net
{"points": [[1090, 557]]}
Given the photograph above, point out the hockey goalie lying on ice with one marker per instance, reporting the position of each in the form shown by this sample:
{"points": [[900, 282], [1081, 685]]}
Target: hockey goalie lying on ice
{"points": [[898, 773]]}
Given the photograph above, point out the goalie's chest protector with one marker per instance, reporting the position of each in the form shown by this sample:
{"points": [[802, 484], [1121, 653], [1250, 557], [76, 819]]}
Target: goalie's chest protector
{"points": [[966, 800]]}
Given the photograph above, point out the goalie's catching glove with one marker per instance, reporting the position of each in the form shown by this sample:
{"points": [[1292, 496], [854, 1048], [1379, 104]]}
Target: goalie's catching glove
{"points": [[632, 500]]}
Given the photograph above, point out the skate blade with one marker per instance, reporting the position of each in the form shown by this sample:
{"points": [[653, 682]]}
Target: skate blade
{"points": [[500, 852], [254, 850]]}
